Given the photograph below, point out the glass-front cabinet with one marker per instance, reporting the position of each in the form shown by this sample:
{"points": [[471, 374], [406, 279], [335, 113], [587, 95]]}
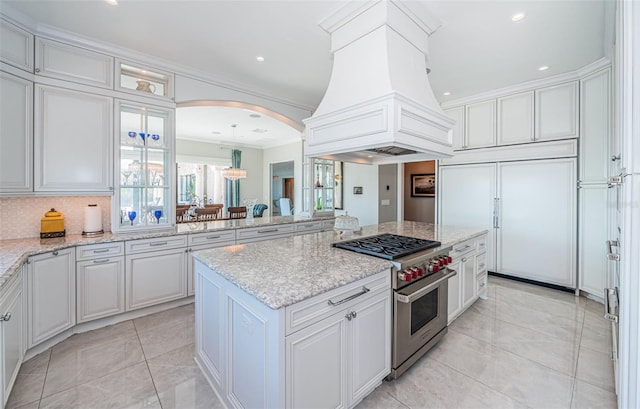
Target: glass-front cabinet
{"points": [[319, 186], [144, 164]]}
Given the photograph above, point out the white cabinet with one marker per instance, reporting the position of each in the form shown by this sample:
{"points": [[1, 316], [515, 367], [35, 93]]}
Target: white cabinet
{"points": [[309, 354], [462, 287], [557, 112], [75, 64], [16, 46], [457, 114], [308, 227], [348, 350], [51, 283], [73, 134], [515, 119], [12, 330], [100, 281], [16, 134], [529, 208], [205, 241], [155, 277], [480, 124], [254, 234], [537, 218], [595, 160]]}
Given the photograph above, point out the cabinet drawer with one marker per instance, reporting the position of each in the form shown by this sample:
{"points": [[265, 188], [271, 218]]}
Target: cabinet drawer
{"points": [[99, 250], [310, 311], [70, 63], [262, 233], [308, 227], [217, 238], [481, 244], [160, 243], [328, 224], [481, 283], [463, 248], [482, 264]]}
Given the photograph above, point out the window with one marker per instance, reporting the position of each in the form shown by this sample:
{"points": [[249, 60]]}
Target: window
{"points": [[200, 184]]}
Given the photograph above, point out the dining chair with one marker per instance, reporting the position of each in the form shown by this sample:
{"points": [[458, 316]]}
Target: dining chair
{"points": [[217, 206], [285, 206], [259, 209], [204, 214], [239, 212], [180, 209]]}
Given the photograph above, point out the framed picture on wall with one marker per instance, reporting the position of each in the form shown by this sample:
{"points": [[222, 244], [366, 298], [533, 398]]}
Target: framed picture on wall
{"points": [[423, 185]]}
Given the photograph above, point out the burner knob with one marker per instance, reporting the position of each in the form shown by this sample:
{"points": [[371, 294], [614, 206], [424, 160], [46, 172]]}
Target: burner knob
{"points": [[440, 261], [414, 272], [449, 259], [445, 260], [434, 267], [420, 271], [405, 276]]}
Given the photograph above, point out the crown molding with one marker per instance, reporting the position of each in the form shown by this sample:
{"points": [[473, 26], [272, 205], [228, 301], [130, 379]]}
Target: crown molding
{"points": [[531, 85]]}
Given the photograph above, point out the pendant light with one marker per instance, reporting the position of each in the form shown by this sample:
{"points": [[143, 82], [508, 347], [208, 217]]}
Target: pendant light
{"points": [[234, 173]]}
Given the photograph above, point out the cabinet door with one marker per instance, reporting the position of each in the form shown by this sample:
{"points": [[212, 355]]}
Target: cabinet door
{"points": [[73, 135], [100, 288], [457, 114], [480, 125], [11, 337], [515, 119], [16, 134], [468, 272], [592, 232], [16, 46], [595, 119], [317, 353], [52, 294], [75, 64], [454, 295], [369, 345], [557, 112], [154, 278], [467, 194], [537, 226]]}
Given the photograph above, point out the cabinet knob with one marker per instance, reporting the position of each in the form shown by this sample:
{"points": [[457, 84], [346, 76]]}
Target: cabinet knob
{"points": [[5, 317], [55, 253], [37, 69]]}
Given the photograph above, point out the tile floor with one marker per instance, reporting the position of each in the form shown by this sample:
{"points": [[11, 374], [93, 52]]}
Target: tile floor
{"points": [[526, 346]]}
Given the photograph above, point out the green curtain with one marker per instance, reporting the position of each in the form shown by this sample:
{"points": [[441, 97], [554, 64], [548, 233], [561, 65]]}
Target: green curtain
{"points": [[233, 186]]}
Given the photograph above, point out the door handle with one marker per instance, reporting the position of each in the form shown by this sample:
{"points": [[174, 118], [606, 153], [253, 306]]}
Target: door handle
{"points": [[496, 213], [610, 254], [607, 315]]}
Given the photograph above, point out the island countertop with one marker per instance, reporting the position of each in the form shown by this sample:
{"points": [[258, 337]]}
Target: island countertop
{"points": [[285, 271]]}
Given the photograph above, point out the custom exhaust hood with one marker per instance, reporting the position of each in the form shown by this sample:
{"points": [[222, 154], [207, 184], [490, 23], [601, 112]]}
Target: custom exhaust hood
{"points": [[379, 106]]}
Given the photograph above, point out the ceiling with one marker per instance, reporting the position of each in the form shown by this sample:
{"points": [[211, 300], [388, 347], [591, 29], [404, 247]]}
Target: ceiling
{"points": [[478, 48]]}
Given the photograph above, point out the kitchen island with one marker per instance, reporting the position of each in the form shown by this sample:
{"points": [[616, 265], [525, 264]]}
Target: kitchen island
{"points": [[295, 322]]}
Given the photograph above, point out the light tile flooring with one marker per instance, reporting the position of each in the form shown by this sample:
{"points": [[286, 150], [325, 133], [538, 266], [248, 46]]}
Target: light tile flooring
{"points": [[526, 346]]}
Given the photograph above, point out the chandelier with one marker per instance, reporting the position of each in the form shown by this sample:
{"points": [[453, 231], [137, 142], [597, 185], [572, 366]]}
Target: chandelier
{"points": [[234, 173]]}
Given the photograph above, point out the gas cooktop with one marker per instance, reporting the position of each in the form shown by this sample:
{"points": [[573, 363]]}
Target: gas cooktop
{"points": [[387, 246]]}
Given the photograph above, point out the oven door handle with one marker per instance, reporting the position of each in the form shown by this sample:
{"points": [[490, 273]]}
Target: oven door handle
{"points": [[430, 287]]}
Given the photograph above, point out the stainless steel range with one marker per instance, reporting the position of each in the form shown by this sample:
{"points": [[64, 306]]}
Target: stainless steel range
{"points": [[420, 285]]}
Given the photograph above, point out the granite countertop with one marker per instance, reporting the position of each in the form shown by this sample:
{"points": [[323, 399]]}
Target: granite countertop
{"points": [[13, 253], [286, 271]]}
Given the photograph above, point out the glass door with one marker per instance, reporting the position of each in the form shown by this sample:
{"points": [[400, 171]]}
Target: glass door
{"points": [[143, 167]]}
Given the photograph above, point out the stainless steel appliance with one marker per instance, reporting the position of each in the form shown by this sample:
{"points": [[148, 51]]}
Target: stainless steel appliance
{"points": [[420, 287]]}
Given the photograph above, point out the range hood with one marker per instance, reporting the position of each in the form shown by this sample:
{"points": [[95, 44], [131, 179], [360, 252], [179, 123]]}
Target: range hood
{"points": [[379, 106]]}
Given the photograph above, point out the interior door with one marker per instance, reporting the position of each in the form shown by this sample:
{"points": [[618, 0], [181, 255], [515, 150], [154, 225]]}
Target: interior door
{"points": [[536, 235], [467, 194]]}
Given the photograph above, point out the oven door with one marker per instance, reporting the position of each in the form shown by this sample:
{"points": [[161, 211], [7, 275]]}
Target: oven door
{"points": [[420, 312]]}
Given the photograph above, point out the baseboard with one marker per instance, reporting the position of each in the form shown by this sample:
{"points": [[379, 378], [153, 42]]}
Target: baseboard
{"points": [[534, 282]]}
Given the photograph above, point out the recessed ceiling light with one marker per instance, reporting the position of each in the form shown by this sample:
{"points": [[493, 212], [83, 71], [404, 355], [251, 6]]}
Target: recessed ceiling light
{"points": [[216, 132], [112, 2], [446, 93], [260, 58], [518, 16], [260, 130], [369, 156], [543, 68], [255, 116]]}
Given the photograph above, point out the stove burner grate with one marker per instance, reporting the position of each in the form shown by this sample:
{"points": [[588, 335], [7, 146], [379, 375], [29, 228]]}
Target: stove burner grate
{"points": [[387, 246]]}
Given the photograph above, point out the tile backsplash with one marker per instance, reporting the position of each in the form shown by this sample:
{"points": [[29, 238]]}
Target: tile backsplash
{"points": [[20, 216]]}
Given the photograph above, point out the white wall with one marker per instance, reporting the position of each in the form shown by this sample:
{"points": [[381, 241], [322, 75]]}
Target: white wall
{"points": [[283, 153], [364, 206], [251, 160]]}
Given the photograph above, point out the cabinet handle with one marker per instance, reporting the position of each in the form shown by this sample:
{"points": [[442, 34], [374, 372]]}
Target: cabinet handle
{"points": [[5, 317], [100, 251], [481, 266], [160, 243], [102, 260], [481, 285], [496, 213], [37, 69], [212, 237], [351, 297], [607, 316], [464, 260], [615, 158], [610, 254], [461, 249], [55, 253], [268, 231]]}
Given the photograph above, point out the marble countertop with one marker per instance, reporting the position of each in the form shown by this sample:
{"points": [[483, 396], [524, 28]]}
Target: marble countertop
{"points": [[13, 253], [286, 271]]}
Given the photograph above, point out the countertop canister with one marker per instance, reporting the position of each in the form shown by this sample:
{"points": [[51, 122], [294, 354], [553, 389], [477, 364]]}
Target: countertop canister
{"points": [[92, 220]]}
